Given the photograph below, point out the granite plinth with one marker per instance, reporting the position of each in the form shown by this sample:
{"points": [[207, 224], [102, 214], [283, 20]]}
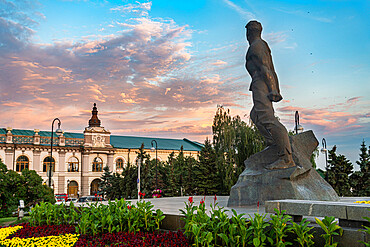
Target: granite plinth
{"points": [[302, 182]]}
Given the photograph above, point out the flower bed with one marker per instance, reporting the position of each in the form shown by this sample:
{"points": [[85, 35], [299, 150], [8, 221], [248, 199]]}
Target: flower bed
{"points": [[365, 202], [65, 235]]}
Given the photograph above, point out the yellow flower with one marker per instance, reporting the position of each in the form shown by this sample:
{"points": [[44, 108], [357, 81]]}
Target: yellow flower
{"points": [[366, 202], [5, 232], [66, 240]]}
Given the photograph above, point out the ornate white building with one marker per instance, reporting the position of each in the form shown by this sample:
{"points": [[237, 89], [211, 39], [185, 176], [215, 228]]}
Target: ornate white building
{"points": [[78, 159]]}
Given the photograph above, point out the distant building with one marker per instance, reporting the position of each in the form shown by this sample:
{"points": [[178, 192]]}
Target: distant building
{"points": [[78, 159]]}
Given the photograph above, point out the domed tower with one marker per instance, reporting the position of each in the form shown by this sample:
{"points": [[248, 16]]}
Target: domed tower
{"points": [[94, 120], [96, 135]]}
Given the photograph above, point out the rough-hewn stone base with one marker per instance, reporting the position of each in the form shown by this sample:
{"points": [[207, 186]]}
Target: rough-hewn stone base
{"points": [[258, 184]]}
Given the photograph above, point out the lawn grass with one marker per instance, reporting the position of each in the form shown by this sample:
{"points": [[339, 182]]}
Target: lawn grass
{"points": [[7, 219], [14, 220]]}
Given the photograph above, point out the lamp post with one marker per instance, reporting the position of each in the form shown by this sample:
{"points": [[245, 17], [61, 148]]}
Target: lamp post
{"points": [[68, 187], [298, 127], [138, 179], [325, 151], [58, 132], [156, 150]]}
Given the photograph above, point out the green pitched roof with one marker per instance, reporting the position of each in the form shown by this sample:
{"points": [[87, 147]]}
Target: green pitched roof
{"points": [[20, 132], [163, 143], [132, 142]]}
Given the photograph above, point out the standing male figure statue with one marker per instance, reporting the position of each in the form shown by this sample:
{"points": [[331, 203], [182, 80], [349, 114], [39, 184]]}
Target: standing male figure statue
{"points": [[265, 90]]}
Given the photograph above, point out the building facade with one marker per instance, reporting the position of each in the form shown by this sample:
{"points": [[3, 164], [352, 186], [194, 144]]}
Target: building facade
{"points": [[78, 158]]}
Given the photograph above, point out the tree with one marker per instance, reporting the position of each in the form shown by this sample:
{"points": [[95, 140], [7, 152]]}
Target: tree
{"points": [[35, 191], [171, 179], [338, 173], [208, 183], [179, 167], [234, 141], [105, 183], [360, 180], [189, 178], [26, 186], [128, 184], [147, 171]]}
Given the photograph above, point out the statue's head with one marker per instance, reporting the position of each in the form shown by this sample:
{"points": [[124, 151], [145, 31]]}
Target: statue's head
{"points": [[254, 29]]}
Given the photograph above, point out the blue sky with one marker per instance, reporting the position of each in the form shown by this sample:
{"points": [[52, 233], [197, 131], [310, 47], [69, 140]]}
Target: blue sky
{"points": [[160, 68]]}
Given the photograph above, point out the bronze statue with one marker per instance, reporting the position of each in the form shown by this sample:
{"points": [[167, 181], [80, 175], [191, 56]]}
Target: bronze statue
{"points": [[265, 90]]}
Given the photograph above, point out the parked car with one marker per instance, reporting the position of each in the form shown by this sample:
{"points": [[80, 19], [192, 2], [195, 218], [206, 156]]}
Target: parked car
{"points": [[68, 202], [90, 199]]}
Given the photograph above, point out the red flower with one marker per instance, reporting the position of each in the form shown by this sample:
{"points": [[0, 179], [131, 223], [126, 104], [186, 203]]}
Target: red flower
{"points": [[190, 199], [201, 201], [215, 199], [129, 207]]}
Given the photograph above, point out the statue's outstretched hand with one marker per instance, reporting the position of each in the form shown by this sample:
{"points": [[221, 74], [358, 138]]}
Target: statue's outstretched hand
{"points": [[274, 96]]}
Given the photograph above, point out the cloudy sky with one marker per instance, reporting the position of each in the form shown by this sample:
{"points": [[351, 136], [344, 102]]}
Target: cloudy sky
{"points": [[160, 68]]}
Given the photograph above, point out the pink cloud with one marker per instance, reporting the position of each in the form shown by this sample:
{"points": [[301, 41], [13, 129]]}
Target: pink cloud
{"points": [[330, 119], [219, 62]]}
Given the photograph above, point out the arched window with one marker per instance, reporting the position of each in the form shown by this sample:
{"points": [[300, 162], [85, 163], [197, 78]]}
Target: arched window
{"points": [[46, 164], [22, 163], [97, 165], [119, 163], [73, 164]]}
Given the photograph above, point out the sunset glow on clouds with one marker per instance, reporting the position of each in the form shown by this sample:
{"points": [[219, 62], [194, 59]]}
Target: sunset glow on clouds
{"points": [[156, 68]]}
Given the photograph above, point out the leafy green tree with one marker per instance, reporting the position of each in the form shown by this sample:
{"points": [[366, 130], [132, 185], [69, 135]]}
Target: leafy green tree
{"points": [[248, 142], [338, 173], [26, 186], [234, 141], [360, 180], [35, 191]]}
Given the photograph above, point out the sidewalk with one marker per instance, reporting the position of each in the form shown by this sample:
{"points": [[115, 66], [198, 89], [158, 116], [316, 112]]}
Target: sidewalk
{"points": [[172, 205]]}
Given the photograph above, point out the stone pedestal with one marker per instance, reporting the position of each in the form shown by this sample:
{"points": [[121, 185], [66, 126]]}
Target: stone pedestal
{"points": [[258, 184]]}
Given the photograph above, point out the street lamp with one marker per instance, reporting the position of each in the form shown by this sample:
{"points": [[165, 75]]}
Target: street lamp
{"points": [[325, 151], [298, 127], [156, 150], [138, 178], [68, 187], [58, 132]]}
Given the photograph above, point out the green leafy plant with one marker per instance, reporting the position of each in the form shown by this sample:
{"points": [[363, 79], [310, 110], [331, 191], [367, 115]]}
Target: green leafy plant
{"points": [[189, 216], [304, 237], [218, 223], [241, 228], [367, 230], [158, 218], [97, 218], [329, 225], [280, 228], [257, 228]]}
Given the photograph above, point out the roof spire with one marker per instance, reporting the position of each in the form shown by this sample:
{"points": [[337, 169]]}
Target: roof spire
{"points": [[94, 120]]}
